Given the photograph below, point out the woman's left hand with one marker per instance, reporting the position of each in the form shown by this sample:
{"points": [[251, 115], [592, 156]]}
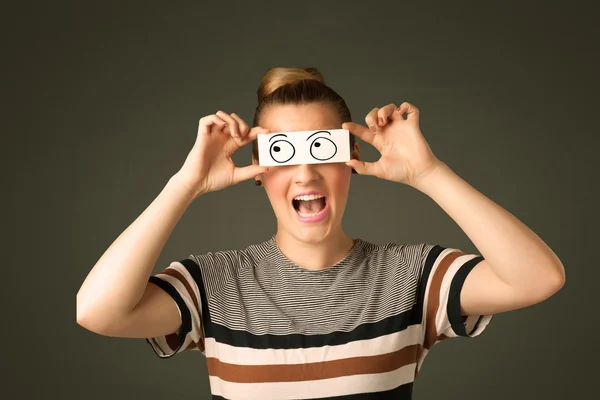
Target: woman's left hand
{"points": [[405, 155]]}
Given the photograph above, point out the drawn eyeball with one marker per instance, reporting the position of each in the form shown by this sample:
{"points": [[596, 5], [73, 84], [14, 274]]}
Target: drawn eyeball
{"points": [[282, 151], [323, 149]]}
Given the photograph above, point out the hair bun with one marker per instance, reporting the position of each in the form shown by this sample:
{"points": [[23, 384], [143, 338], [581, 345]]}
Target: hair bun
{"points": [[274, 78]]}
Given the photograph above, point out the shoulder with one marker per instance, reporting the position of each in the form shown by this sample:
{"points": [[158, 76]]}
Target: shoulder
{"points": [[232, 259], [409, 255], [407, 251]]}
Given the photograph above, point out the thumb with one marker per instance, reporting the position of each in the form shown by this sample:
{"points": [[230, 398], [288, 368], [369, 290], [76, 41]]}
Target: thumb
{"points": [[363, 168], [244, 173]]}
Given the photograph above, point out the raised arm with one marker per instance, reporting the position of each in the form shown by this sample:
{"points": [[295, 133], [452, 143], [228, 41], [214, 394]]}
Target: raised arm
{"points": [[116, 298], [116, 284]]}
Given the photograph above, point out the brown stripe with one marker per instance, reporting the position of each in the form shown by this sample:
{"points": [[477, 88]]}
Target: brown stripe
{"points": [[312, 371], [419, 353], [177, 275], [433, 300], [192, 345], [173, 341]]}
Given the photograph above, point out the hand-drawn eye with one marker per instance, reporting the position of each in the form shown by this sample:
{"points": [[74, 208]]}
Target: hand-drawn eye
{"points": [[323, 149], [282, 151]]}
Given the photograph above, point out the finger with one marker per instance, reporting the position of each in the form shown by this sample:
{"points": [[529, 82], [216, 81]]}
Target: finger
{"points": [[364, 168], [360, 131], [243, 173], [412, 112], [209, 124], [384, 113], [371, 119], [243, 126], [231, 146], [232, 124], [253, 133]]}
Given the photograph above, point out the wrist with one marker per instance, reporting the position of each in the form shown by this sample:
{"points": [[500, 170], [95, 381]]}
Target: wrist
{"points": [[427, 178], [180, 185]]}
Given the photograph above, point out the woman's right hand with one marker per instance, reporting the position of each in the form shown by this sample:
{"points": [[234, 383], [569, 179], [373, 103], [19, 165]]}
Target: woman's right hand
{"points": [[209, 167]]}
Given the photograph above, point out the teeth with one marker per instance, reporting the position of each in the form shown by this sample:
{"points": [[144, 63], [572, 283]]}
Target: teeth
{"points": [[309, 197], [308, 215]]}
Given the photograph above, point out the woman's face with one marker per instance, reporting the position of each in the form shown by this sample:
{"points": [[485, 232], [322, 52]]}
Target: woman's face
{"points": [[284, 183]]}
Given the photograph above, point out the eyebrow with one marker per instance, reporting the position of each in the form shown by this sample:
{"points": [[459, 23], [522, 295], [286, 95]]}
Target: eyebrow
{"points": [[318, 132], [279, 134]]}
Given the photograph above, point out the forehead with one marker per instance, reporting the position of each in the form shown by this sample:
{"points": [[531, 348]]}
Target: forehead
{"points": [[300, 117]]}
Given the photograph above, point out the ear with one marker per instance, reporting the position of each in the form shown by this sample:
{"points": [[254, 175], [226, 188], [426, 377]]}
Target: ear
{"points": [[355, 155], [355, 152]]}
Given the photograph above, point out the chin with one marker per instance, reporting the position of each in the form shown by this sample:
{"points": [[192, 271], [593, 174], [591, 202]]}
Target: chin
{"points": [[307, 233], [312, 236]]}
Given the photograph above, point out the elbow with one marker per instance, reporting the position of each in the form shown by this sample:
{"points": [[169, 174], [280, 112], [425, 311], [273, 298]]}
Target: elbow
{"points": [[543, 288], [100, 319], [554, 283], [89, 320], [559, 281], [81, 311], [559, 278], [84, 320], [94, 324]]}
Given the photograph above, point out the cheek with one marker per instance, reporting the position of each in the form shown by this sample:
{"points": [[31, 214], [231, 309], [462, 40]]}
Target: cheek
{"points": [[276, 187], [341, 179], [341, 186]]}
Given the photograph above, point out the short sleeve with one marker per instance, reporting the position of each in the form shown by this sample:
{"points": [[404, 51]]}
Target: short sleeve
{"points": [[179, 280], [440, 274]]}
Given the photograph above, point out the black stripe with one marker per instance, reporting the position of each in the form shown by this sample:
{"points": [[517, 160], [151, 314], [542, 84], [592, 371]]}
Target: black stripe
{"points": [[196, 274], [431, 257], [238, 338], [402, 392], [457, 321], [186, 319], [476, 324]]}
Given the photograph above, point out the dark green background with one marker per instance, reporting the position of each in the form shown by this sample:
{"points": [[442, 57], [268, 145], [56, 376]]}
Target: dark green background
{"points": [[102, 107]]}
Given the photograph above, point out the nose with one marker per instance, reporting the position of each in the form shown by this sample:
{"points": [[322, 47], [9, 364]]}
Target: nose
{"points": [[305, 174]]}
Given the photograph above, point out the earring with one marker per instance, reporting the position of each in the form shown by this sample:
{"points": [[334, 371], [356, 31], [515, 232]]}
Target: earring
{"points": [[258, 182]]}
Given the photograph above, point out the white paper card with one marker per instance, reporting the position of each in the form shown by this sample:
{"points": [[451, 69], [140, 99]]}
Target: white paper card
{"points": [[303, 147]]}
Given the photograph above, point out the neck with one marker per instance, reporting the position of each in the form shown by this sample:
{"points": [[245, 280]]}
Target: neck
{"points": [[314, 255]]}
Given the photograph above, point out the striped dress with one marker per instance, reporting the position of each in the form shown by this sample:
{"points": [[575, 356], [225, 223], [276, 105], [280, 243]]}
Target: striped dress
{"points": [[361, 328]]}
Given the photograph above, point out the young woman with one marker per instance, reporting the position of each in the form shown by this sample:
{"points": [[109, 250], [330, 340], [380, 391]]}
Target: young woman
{"points": [[313, 312]]}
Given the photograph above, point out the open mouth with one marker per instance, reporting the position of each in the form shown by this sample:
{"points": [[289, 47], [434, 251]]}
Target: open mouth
{"points": [[309, 206]]}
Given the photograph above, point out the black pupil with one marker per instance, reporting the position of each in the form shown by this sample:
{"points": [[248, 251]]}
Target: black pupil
{"points": [[317, 144], [276, 148]]}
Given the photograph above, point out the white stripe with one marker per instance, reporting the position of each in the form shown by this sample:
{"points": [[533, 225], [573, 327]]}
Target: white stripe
{"points": [[346, 385], [422, 356], [442, 320], [183, 271], [369, 347], [178, 285]]}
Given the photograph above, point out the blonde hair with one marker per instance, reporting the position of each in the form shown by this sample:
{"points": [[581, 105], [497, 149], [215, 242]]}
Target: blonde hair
{"points": [[281, 85], [274, 78]]}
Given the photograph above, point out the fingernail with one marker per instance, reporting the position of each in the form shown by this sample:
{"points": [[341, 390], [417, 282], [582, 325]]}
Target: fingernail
{"points": [[372, 128]]}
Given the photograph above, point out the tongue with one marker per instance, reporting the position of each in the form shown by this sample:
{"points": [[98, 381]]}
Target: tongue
{"points": [[311, 206]]}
